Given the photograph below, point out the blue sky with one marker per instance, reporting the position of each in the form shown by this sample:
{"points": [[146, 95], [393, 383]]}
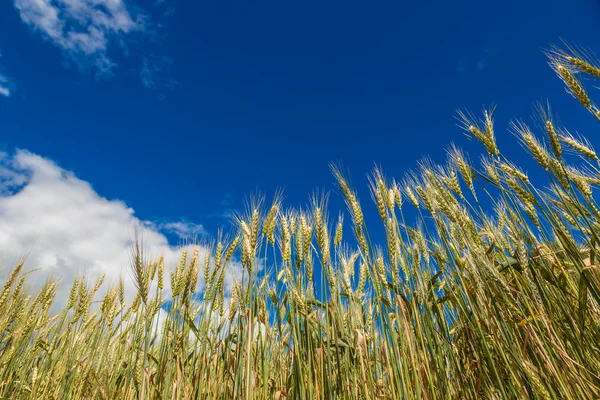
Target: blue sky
{"points": [[179, 109], [209, 101]]}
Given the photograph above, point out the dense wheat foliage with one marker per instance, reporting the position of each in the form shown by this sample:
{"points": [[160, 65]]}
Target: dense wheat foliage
{"points": [[494, 293]]}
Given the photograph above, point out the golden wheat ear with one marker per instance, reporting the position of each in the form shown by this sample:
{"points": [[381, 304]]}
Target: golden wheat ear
{"points": [[580, 59], [481, 129], [579, 145], [567, 64]]}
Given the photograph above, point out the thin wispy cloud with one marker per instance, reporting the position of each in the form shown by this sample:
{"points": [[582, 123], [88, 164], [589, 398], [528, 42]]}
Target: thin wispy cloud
{"points": [[225, 214], [166, 7], [4, 90], [155, 73], [481, 63], [183, 230], [83, 29], [227, 209], [5, 83], [147, 74], [474, 62]]}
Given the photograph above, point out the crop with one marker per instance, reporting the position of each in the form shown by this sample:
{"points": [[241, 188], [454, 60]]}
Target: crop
{"points": [[493, 293]]}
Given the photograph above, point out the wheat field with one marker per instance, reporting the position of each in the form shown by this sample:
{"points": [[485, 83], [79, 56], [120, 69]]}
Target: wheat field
{"points": [[493, 293]]}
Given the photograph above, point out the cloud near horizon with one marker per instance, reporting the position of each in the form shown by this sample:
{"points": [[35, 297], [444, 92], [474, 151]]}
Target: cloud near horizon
{"points": [[65, 229]]}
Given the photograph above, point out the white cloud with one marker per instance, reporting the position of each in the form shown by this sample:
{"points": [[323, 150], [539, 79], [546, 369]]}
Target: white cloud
{"points": [[4, 83], [82, 28], [183, 230], [66, 229]]}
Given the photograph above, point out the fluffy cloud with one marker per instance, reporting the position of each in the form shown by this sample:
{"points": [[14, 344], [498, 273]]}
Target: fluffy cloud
{"points": [[66, 229], [82, 28]]}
